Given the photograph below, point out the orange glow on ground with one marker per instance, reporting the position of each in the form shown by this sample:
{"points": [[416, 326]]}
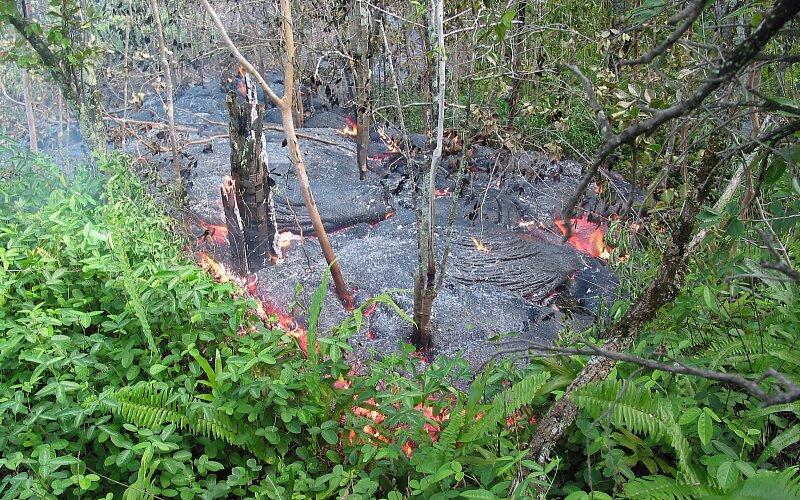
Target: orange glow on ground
{"points": [[273, 317], [350, 128], [215, 233], [587, 237]]}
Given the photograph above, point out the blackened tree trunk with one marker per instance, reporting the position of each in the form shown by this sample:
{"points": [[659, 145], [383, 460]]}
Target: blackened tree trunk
{"points": [[235, 225], [253, 187]]}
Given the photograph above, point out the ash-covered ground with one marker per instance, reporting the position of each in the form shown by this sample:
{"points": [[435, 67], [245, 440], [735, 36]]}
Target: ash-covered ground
{"points": [[508, 277]]}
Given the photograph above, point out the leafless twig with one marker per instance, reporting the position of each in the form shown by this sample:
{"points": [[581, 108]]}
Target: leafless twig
{"points": [[690, 15], [789, 393]]}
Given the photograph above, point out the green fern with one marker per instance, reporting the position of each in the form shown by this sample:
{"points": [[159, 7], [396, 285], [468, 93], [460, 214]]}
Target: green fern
{"points": [[128, 282], [519, 395], [786, 438], [641, 412], [659, 488], [759, 412], [154, 404], [783, 485], [447, 439]]}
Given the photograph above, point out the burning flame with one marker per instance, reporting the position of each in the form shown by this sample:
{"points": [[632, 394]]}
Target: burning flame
{"points": [[390, 143], [480, 246], [442, 192], [217, 234], [587, 237], [350, 128], [269, 313], [286, 238]]}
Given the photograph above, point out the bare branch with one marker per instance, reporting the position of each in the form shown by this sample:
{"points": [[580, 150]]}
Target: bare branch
{"points": [[602, 120], [690, 15], [789, 393], [239, 56], [740, 56]]}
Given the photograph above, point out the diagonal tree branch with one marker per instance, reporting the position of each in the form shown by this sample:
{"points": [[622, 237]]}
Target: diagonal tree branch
{"points": [[738, 57], [689, 15], [789, 393]]}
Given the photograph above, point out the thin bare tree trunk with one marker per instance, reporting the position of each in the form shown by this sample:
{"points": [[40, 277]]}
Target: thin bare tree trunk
{"points": [[622, 334], [363, 75], [33, 137], [29, 116], [517, 48], [425, 278], [166, 68], [296, 156], [126, 70]]}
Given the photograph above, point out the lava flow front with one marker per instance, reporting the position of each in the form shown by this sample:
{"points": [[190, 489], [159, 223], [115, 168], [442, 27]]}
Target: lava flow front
{"points": [[212, 232], [350, 128], [269, 313], [587, 236]]}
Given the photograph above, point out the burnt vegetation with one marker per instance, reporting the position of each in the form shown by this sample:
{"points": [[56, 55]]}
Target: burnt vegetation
{"points": [[376, 249]]}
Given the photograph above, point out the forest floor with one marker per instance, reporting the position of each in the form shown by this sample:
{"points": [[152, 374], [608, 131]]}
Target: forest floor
{"points": [[508, 277]]}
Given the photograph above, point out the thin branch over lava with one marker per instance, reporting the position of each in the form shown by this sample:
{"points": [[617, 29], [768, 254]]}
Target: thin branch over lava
{"points": [[284, 104]]}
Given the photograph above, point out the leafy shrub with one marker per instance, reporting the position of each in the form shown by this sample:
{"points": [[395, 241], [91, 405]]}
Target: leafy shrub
{"points": [[123, 372]]}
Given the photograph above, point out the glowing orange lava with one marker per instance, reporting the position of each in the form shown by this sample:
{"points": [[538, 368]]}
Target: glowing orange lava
{"points": [[480, 246], [587, 236], [269, 313], [350, 128], [213, 232]]}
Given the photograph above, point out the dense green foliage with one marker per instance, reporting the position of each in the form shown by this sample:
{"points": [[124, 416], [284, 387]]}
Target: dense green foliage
{"points": [[123, 372], [126, 370]]}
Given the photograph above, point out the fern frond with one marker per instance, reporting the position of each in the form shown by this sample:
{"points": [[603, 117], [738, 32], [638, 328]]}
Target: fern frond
{"points": [[759, 412], [448, 437], [786, 438], [659, 488], [129, 284], [154, 404], [641, 412], [783, 485], [520, 394]]}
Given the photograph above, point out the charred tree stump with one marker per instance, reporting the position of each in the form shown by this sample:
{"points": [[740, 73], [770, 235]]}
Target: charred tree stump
{"points": [[252, 185], [233, 222]]}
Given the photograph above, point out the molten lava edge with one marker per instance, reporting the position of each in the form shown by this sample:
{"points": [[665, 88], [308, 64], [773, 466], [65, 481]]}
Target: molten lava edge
{"points": [[587, 237], [273, 317]]}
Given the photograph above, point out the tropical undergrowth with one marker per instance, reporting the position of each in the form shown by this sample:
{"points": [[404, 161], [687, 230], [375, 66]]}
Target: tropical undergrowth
{"points": [[123, 373], [654, 434]]}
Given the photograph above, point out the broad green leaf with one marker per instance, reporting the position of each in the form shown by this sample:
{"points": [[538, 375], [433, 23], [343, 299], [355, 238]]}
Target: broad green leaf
{"points": [[705, 428]]}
